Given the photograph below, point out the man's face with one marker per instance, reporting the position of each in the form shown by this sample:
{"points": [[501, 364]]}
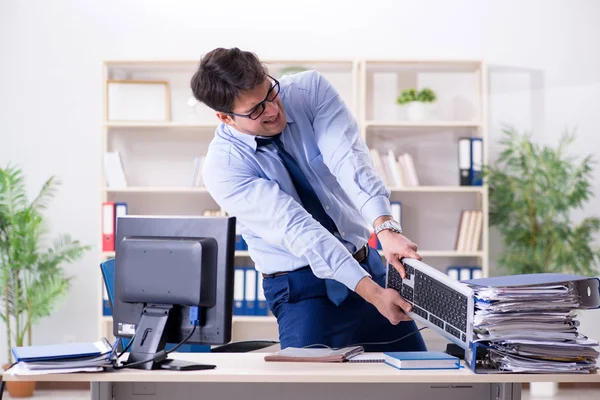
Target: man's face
{"points": [[263, 105]]}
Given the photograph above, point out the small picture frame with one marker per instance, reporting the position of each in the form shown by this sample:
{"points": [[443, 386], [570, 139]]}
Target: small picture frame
{"points": [[137, 100]]}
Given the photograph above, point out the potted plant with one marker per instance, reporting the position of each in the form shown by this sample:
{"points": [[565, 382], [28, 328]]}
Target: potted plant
{"points": [[31, 269], [532, 191], [414, 101]]}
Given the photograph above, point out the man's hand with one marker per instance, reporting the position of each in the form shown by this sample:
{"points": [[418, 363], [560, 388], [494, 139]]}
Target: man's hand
{"points": [[388, 302], [395, 246]]}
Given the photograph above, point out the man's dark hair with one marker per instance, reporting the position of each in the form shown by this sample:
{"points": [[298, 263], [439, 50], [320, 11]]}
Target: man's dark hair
{"points": [[223, 74]]}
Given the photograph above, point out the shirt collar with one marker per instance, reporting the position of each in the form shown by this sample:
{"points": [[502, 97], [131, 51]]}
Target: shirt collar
{"points": [[250, 140]]}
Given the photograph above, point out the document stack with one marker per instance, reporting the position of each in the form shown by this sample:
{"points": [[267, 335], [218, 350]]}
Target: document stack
{"points": [[532, 327], [64, 358]]}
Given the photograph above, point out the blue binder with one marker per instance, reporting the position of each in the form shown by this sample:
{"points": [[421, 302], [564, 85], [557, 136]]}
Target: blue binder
{"points": [[588, 288], [61, 351]]}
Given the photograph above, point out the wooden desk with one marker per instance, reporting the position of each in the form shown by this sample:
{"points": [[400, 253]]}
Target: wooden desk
{"points": [[248, 376]]}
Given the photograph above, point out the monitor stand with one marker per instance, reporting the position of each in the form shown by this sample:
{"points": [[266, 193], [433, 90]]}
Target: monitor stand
{"points": [[151, 338]]}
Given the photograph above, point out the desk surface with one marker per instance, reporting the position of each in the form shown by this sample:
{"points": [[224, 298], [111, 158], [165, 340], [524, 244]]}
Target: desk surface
{"points": [[251, 367]]}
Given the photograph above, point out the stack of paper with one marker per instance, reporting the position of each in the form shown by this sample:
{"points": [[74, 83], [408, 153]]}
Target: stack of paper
{"points": [[533, 329], [64, 358]]}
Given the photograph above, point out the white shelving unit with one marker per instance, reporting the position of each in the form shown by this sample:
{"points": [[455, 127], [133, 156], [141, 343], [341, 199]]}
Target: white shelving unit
{"points": [[157, 155]]}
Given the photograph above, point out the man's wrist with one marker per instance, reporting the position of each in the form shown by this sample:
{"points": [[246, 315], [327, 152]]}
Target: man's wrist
{"points": [[381, 220], [387, 223], [368, 290]]}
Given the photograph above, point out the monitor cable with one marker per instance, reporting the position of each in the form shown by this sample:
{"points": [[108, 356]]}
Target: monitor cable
{"points": [[163, 354], [366, 343]]}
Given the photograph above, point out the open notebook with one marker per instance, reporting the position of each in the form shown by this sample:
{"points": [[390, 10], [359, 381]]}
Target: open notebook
{"points": [[296, 354]]}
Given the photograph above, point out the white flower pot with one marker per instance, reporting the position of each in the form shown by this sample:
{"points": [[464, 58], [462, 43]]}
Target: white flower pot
{"points": [[415, 111]]}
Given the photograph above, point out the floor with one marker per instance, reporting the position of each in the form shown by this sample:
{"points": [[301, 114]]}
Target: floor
{"points": [[563, 394]]}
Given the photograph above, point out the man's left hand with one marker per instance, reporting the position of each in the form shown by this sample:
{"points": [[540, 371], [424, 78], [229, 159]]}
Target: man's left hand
{"points": [[395, 246]]}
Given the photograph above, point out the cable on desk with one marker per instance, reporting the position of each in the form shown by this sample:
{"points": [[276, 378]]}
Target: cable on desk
{"points": [[162, 355], [366, 343]]}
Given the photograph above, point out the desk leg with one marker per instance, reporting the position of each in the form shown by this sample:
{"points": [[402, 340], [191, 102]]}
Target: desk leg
{"points": [[101, 391]]}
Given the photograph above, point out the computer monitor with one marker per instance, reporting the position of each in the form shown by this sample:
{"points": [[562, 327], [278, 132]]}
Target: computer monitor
{"points": [[167, 269]]}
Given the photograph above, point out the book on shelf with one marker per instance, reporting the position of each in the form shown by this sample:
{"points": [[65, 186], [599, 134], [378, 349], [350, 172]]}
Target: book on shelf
{"points": [[196, 179], [470, 226], [114, 171], [395, 171]]}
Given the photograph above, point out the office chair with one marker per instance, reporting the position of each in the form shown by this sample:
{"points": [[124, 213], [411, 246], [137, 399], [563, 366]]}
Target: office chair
{"points": [[108, 274]]}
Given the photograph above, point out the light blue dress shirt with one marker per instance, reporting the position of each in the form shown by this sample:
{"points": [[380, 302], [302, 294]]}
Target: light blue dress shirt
{"points": [[255, 187]]}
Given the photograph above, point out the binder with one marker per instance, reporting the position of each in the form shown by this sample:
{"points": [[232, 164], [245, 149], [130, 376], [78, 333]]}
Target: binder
{"points": [[250, 291], [108, 275], [476, 161], [588, 289], [61, 351], [120, 211], [108, 226], [464, 161], [238, 291], [396, 207], [261, 300]]}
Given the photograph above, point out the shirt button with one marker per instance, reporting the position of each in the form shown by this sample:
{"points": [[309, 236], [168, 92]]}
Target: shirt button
{"points": [[327, 207], [343, 233]]}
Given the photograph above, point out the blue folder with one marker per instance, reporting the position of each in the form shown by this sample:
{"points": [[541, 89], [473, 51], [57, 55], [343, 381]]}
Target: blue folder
{"points": [[60, 351]]}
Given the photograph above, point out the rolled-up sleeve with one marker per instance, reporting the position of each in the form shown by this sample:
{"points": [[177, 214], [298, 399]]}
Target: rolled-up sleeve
{"points": [[278, 218], [344, 152]]}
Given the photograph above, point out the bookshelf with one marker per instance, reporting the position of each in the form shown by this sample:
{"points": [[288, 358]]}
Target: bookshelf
{"points": [[157, 155]]}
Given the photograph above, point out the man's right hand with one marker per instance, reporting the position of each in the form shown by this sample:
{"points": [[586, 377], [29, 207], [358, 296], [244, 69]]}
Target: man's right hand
{"points": [[388, 302]]}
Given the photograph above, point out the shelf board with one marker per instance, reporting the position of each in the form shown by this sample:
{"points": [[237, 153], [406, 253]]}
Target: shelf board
{"points": [[423, 253], [422, 124], [238, 253], [160, 124], [438, 189], [255, 318], [157, 189], [236, 318], [446, 253]]}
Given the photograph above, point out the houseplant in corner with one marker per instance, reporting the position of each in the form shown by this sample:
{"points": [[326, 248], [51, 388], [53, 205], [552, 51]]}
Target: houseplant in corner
{"points": [[415, 100], [31, 269], [532, 191]]}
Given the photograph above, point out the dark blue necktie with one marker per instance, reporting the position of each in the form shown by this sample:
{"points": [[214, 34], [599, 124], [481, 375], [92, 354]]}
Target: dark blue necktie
{"points": [[336, 291]]}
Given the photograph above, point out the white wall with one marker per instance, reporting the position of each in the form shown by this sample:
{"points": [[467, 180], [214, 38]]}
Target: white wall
{"points": [[50, 71]]}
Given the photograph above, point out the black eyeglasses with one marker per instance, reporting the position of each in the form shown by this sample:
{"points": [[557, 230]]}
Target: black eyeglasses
{"points": [[258, 110]]}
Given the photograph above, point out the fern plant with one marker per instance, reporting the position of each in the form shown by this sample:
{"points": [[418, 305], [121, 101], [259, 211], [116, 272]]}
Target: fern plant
{"points": [[33, 280], [532, 191]]}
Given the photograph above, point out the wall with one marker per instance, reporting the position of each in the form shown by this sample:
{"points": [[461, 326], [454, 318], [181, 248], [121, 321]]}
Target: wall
{"points": [[50, 71]]}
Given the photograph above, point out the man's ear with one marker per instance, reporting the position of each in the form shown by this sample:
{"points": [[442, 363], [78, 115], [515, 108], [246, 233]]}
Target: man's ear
{"points": [[225, 118]]}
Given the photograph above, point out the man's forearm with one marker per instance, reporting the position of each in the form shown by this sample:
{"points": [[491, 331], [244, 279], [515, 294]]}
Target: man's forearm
{"points": [[368, 290]]}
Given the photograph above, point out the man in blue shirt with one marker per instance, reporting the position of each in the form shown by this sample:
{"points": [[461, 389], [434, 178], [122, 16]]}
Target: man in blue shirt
{"points": [[288, 162]]}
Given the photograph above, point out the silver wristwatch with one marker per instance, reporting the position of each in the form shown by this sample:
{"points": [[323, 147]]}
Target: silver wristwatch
{"points": [[389, 224]]}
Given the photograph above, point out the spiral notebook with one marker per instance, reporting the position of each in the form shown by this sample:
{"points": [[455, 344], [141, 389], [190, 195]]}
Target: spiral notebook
{"points": [[368, 358]]}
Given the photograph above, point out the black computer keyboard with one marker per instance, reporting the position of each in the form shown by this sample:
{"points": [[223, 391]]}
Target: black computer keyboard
{"points": [[432, 300]]}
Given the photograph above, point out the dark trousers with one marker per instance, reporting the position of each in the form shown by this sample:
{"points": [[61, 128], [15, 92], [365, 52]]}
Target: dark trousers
{"points": [[306, 316]]}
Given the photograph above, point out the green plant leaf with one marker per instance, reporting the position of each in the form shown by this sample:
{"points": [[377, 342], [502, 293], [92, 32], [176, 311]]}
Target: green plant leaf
{"points": [[532, 191]]}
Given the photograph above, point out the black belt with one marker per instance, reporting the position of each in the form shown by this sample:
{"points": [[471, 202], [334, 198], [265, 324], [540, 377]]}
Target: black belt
{"points": [[360, 256]]}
